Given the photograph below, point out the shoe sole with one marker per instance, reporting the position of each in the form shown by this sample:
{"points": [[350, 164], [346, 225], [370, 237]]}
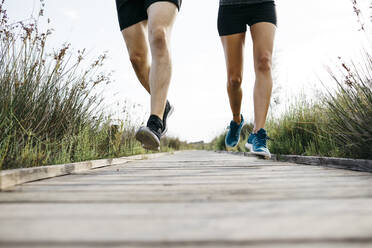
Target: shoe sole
{"points": [[248, 146], [148, 139], [169, 115], [261, 154]]}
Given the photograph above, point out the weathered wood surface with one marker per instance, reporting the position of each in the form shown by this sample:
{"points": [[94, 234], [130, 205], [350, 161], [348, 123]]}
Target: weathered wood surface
{"points": [[192, 199], [9, 178]]}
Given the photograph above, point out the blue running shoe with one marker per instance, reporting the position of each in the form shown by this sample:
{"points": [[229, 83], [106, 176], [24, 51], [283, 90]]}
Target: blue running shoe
{"points": [[259, 144], [233, 136], [249, 143]]}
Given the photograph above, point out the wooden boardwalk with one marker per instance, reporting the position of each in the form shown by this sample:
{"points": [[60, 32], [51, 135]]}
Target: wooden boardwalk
{"points": [[192, 199]]}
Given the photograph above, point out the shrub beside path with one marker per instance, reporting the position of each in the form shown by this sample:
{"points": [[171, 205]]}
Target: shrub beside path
{"points": [[192, 199]]}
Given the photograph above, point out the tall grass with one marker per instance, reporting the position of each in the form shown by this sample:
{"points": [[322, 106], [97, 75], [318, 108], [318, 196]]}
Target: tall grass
{"points": [[50, 108], [338, 124], [44, 97], [300, 130], [349, 110]]}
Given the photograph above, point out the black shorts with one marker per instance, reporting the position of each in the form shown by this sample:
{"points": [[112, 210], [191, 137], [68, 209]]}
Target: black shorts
{"points": [[134, 11], [233, 19]]}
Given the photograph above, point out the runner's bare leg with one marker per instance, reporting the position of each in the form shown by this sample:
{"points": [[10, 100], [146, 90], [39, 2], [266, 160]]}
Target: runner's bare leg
{"points": [[263, 34], [161, 17], [135, 38], [234, 54]]}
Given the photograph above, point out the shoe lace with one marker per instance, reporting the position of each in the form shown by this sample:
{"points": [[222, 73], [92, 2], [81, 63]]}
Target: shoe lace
{"points": [[260, 140], [155, 126]]}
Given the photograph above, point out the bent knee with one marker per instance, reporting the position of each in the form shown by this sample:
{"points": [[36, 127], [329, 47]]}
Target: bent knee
{"points": [[234, 82], [264, 62], [158, 38]]}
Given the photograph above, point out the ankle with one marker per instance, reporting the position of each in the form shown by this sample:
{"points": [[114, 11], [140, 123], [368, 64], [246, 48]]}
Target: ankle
{"points": [[256, 130], [153, 115], [237, 118]]}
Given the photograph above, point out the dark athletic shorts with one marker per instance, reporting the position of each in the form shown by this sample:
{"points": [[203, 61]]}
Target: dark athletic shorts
{"points": [[135, 11], [233, 19]]}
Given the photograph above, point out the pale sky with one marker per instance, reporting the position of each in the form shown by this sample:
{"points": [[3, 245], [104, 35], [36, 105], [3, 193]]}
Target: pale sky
{"points": [[310, 35]]}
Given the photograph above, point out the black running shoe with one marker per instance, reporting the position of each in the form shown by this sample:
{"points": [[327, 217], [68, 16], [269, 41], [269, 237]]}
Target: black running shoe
{"points": [[168, 111], [150, 135]]}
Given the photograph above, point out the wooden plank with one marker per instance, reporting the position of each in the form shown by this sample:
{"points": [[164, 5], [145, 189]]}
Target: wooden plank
{"points": [[192, 199]]}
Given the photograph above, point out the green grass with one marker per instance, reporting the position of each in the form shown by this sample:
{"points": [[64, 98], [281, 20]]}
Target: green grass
{"points": [[300, 130], [349, 110], [50, 108]]}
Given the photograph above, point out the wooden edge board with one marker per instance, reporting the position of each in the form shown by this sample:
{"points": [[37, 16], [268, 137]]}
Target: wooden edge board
{"points": [[9, 178], [340, 163]]}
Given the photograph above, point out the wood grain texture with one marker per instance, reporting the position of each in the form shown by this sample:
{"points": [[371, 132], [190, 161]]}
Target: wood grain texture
{"points": [[192, 199]]}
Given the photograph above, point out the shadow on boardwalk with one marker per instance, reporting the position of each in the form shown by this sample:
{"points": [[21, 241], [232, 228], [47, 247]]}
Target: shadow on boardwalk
{"points": [[192, 199]]}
